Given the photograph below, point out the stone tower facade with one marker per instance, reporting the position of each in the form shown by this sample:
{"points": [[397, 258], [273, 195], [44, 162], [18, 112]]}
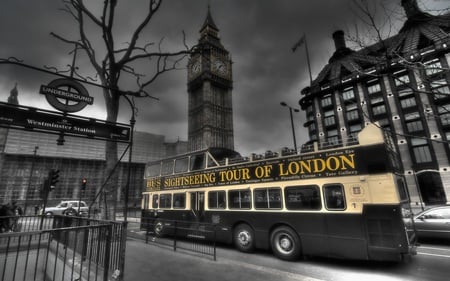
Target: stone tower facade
{"points": [[210, 120]]}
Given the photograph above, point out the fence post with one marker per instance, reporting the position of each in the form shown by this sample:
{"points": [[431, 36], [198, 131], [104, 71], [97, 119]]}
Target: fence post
{"points": [[175, 237], [108, 229], [214, 240]]}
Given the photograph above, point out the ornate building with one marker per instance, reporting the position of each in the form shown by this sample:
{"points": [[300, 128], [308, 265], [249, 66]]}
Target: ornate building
{"points": [[402, 83], [210, 109]]}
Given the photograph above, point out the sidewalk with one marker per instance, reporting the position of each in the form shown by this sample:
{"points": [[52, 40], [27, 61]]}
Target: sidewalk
{"points": [[155, 262]]}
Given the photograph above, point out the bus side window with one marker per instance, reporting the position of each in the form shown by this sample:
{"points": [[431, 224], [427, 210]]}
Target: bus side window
{"points": [[239, 199], [216, 200], [179, 200], [155, 201], [334, 197], [302, 197], [165, 201], [146, 199], [267, 198]]}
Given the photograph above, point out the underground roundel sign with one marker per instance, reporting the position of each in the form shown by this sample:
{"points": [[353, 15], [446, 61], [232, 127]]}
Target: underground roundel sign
{"points": [[66, 95]]}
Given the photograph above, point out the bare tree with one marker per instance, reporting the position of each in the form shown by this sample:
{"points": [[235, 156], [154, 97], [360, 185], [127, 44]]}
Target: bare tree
{"points": [[118, 62]]}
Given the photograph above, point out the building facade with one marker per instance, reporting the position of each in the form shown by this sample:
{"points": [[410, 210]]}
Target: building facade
{"points": [[402, 83], [210, 109]]}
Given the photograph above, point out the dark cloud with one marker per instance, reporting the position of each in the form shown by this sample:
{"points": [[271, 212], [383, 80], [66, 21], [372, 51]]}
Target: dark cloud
{"points": [[258, 33]]}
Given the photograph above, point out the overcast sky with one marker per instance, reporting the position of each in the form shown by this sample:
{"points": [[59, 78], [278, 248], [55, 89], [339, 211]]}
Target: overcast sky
{"points": [[259, 35]]}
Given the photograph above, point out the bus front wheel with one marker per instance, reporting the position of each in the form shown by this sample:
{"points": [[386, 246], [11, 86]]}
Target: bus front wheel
{"points": [[244, 238], [285, 243], [158, 228]]}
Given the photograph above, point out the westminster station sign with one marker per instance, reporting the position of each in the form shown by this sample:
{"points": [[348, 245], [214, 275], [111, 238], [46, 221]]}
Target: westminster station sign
{"points": [[39, 120]]}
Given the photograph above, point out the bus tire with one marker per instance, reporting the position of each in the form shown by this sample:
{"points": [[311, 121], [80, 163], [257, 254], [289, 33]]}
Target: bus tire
{"points": [[158, 228], [244, 238], [285, 243]]}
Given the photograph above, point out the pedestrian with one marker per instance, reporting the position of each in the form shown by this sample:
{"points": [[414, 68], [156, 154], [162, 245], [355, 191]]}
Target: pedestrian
{"points": [[4, 225], [36, 209]]}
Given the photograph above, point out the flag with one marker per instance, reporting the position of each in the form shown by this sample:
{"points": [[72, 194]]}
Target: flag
{"points": [[299, 43]]}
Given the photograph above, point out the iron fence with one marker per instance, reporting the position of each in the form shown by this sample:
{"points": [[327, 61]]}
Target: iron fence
{"points": [[62, 248], [190, 236]]}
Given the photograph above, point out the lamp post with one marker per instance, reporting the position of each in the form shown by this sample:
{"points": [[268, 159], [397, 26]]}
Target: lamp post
{"points": [[292, 122], [29, 179]]}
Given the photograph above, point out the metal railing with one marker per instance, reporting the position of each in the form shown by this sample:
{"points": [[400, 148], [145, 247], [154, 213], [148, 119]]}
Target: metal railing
{"points": [[189, 236], [62, 248]]}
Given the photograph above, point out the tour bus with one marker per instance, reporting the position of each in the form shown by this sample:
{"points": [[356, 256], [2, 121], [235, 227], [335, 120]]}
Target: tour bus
{"points": [[344, 201]]}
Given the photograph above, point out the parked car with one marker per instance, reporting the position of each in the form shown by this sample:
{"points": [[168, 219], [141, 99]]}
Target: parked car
{"points": [[433, 223], [67, 208]]}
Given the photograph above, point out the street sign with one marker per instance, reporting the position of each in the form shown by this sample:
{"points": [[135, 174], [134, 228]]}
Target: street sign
{"points": [[39, 120], [75, 98]]}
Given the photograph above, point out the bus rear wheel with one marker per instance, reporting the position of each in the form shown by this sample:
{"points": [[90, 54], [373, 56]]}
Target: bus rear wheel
{"points": [[285, 243], [244, 238]]}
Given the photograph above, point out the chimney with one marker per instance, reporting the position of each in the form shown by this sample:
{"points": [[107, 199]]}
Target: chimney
{"points": [[339, 40], [411, 8]]}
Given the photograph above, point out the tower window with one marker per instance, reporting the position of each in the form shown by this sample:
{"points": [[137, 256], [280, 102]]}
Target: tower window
{"points": [[348, 94], [379, 109], [409, 102]]}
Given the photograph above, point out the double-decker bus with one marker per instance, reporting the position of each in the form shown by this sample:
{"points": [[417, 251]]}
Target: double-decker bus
{"points": [[343, 201]]}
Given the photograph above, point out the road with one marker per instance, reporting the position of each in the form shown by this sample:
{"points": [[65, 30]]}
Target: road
{"points": [[432, 263]]}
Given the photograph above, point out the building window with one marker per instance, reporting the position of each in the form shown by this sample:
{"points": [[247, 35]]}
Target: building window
{"points": [[405, 92], [309, 109], [332, 137], [329, 119], [374, 88], [326, 101], [433, 67], [401, 79], [444, 114], [376, 100], [348, 94], [353, 115], [414, 126], [379, 109], [421, 150], [354, 130], [440, 89], [409, 102]]}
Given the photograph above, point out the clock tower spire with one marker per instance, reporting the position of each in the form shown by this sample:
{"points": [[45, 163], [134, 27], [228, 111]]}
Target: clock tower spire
{"points": [[210, 84]]}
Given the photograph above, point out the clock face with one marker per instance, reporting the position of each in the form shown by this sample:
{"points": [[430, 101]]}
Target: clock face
{"points": [[220, 66]]}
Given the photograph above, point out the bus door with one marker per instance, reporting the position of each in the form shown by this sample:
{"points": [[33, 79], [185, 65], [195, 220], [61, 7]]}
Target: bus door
{"points": [[198, 205]]}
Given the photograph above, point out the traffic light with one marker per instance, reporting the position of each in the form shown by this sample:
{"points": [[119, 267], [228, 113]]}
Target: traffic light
{"points": [[83, 183], [53, 176]]}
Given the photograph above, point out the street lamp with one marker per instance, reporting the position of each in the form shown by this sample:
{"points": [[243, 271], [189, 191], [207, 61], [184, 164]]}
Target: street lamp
{"points": [[29, 179], [292, 122]]}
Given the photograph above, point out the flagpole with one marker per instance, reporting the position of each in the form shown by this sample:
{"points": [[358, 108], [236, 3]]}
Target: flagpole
{"points": [[307, 59]]}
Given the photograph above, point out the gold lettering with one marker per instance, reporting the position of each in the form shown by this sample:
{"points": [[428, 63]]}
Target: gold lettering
{"points": [[318, 168], [350, 161]]}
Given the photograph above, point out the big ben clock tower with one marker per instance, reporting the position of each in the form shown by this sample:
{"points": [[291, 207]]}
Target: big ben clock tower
{"points": [[210, 121]]}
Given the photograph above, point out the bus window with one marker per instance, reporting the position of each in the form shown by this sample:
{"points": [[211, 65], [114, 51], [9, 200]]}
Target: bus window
{"points": [[302, 197], [334, 197], [197, 162], [179, 201], [239, 199], [153, 170], [155, 201], [146, 199], [167, 167], [181, 165], [165, 201], [216, 199], [267, 198]]}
